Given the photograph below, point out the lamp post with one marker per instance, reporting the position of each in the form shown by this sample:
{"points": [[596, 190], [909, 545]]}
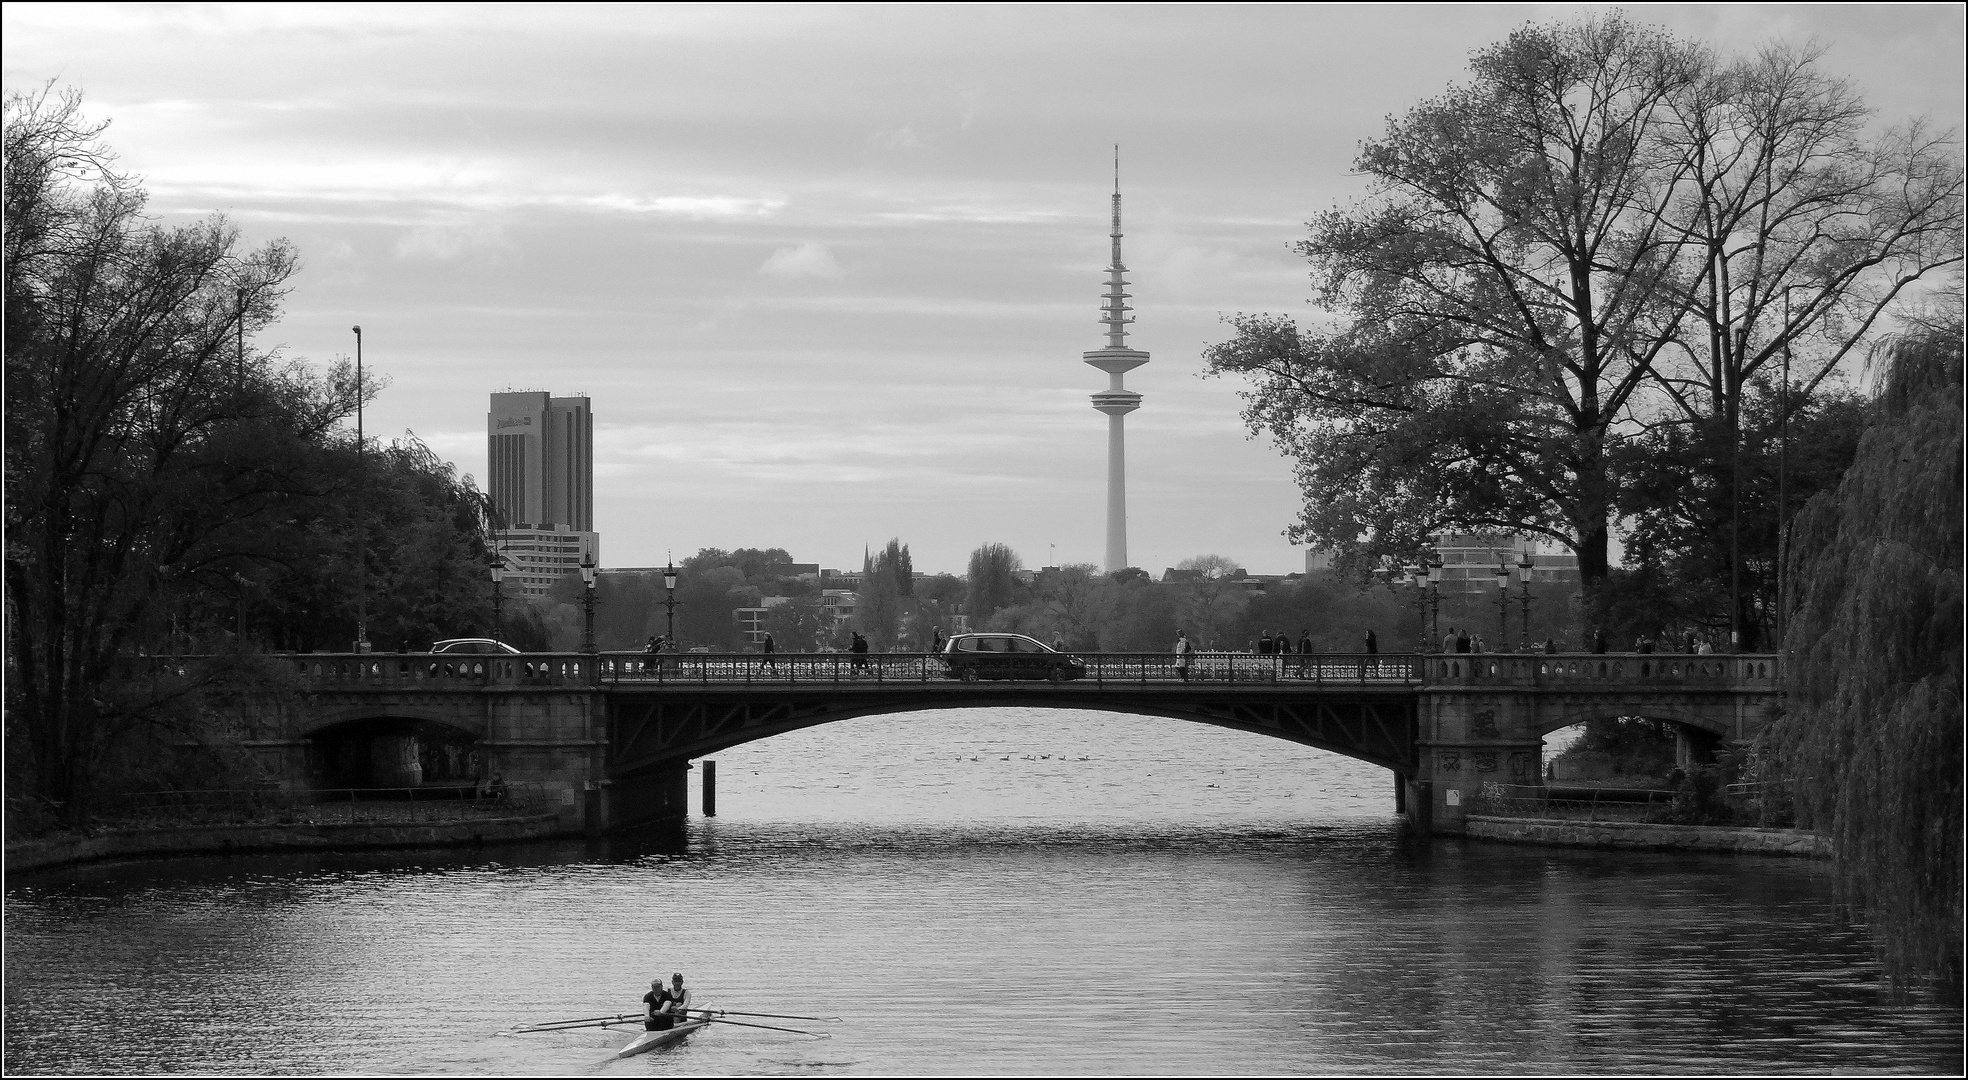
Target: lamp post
{"points": [[1524, 565], [1435, 598], [1414, 576], [1503, 603], [670, 601], [361, 533], [1783, 455], [588, 600], [498, 567]]}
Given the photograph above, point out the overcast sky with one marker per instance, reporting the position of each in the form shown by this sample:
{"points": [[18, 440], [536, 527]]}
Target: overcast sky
{"points": [[827, 272]]}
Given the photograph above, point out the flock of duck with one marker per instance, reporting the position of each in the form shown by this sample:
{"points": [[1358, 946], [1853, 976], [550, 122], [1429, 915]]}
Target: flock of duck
{"points": [[1031, 757]]}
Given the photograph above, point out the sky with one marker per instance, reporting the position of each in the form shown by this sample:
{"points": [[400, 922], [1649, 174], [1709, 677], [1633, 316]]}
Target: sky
{"points": [[826, 272]]}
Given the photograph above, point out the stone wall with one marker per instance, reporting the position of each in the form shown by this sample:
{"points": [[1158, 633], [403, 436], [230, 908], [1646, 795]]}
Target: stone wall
{"points": [[1645, 837], [228, 839]]}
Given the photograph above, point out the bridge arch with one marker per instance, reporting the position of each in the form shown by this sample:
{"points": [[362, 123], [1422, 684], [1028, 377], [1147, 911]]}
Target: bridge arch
{"points": [[1377, 729], [398, 749]]}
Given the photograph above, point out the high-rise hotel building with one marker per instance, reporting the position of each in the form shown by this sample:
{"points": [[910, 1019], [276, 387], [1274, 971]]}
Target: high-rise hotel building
{"points": [[540, 475]]}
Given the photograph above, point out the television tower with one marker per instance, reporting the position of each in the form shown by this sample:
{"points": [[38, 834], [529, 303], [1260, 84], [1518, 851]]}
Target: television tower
{"points": [[1116, 401]]}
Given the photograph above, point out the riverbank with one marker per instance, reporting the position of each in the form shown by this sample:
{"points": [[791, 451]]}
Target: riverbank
{"points": [[1644, 836], [117, 843]]}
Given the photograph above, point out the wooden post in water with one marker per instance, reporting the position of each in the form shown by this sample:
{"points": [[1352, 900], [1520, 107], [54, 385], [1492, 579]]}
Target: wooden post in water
{"points": [[710, 788]]}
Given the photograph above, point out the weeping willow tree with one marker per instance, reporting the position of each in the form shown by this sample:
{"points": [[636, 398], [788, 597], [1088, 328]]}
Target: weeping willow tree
{"points": [[1873, 659]]}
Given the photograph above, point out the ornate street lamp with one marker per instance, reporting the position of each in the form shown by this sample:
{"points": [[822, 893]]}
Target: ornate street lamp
{"points": [[498, 568], [588, 600], [1435, 598], [1524, 565], [1503, 602], [670, 601], [1412, 575]]}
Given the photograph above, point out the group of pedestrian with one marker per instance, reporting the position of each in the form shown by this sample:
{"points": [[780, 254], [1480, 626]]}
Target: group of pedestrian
{"points": [[1282, 642], [1460, 641]]}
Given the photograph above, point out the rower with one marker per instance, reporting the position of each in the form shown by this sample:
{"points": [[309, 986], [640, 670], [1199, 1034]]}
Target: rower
{"points": [[663, 1005]]}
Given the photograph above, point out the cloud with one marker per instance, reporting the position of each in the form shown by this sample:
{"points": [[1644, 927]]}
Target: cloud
{"points": [[446, 242], [808, 260]]}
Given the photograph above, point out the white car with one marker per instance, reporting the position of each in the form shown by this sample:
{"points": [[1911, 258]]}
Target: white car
{"points": [[479, 645]]}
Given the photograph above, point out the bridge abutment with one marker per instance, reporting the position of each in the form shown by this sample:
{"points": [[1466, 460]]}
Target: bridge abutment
{"points": [[1469, 736]]}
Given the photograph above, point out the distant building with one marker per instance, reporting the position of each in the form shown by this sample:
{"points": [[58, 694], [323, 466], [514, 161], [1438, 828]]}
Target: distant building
{"points": [[837, 606], [540, 477], [751, 620], [536, 558], [1172, 576], [1469, 561], [1318, 560]]}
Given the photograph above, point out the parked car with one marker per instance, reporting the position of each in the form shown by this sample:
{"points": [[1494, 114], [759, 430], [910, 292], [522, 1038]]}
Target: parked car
{"points": [[472, 645], [1007, 656]]}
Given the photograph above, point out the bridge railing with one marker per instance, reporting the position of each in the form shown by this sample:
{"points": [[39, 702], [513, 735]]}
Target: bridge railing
{"points": [[1549, 669], [431, 671], [1101, 669], [1571, 803]]}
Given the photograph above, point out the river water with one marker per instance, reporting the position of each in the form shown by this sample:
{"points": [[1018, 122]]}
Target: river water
{"points": [[986, 891]]}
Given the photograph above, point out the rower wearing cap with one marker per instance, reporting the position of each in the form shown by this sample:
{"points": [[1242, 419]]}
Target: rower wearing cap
{"points": [[662, 1005]]}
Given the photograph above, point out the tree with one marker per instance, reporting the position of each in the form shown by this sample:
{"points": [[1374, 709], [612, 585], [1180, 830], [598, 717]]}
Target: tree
{"points": [[993, 579], [1550, 255], [1212, 599], [1871, 737], [796, 625], [147, 454], [1799, 232], [886, 586]]}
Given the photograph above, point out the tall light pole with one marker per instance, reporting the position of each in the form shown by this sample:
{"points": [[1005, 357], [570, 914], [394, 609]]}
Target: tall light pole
{"points": [[1416, 576], [361, 532], [498, 596], [1503, 602], [1783, 456], [588, 600], [1435, 598], [1524, 565], [670, 601]]}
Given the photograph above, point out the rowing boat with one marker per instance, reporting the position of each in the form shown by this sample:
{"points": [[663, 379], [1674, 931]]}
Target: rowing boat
{"points": [[650, 1040]]}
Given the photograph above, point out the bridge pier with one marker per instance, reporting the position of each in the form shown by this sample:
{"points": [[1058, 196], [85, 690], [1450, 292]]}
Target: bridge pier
{"points": [[657, 793], [1469, 735]]}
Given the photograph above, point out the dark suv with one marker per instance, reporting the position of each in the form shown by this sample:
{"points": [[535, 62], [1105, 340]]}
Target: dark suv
{"points": [[1007, 656]]}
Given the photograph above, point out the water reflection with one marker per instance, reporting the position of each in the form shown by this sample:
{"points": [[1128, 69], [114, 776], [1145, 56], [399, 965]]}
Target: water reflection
{"points": [[1029, 919]]}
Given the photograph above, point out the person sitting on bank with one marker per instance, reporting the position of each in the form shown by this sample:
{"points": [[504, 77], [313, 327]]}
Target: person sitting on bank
{"points": [[663, 1005]]}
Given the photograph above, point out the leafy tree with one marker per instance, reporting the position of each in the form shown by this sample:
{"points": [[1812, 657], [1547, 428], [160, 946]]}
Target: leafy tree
{"points": [[797, 625], [1143, 619], [1212, 599], [761, 567], [145, 453], [1677, 578], [1589, 237], [884, 596], [1873, 659], [993, 579]]}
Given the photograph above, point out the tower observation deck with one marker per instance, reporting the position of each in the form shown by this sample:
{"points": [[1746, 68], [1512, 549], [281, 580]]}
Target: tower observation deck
{"points": [[1117, 400]]}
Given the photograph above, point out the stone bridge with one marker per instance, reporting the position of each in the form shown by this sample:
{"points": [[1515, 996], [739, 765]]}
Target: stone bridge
{"points": [[608, 738]]}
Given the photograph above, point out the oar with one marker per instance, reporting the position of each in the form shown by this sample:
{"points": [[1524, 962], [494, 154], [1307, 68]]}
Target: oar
{"points": [[568, 1025], [775, 1016], [769, 1027]]}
